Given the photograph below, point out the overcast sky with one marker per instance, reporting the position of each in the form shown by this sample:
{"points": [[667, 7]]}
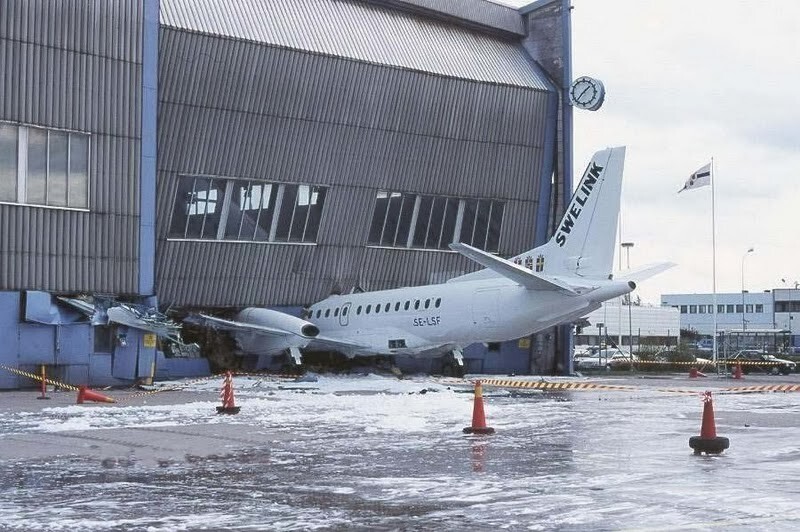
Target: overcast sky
{"points": [[686, 81]]}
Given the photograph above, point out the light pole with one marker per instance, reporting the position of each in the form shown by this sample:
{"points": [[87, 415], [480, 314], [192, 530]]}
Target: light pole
{"points": [[627, 247], [744, 256], [790, 303]]}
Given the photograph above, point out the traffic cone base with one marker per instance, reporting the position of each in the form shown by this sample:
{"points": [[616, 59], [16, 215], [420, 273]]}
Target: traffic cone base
{"points": [[228, 409], [85, 394], [478, 415]]}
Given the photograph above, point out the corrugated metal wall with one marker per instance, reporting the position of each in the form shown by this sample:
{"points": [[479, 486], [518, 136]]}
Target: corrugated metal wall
{"points": [[252, 110], [75, 64]]}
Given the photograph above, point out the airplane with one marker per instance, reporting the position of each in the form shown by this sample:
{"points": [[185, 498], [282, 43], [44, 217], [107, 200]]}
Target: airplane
{"points": [[566, 278]]}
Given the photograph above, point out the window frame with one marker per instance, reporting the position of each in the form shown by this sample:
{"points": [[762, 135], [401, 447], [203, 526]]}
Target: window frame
{"points": [[22, 159], [271, 206], [431, 228]]}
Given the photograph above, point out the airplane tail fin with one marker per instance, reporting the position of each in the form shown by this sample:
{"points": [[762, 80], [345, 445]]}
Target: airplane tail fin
{"points": [[584, 240]]}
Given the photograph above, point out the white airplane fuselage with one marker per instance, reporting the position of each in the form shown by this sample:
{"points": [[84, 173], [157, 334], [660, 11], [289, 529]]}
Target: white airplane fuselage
{"points": [[441, 317]]}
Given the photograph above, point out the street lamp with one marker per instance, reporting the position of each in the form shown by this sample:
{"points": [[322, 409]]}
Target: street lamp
{"points": [[744, 256], [627, 247], [790, 303]]}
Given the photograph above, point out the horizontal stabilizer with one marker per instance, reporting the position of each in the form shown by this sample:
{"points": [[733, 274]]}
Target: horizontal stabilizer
{"points": [[509, 270], [645, 272]]}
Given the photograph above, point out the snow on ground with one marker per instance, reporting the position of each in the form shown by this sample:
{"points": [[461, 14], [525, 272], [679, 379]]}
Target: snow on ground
{"points": [[372, 451]]}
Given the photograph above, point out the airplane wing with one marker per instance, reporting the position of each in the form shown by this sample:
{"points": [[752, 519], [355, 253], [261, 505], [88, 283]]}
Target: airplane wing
{"points": [[228, 325], [645, 272], [324, 342], [509, 270]]}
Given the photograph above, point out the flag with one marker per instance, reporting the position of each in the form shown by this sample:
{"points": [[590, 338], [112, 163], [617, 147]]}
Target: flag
{"points": [[700, 178]]}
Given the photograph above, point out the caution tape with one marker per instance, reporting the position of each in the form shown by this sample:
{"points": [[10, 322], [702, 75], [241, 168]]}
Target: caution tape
{"points": [[39, 378], [544, 385], [764, 388], [558, 386]]}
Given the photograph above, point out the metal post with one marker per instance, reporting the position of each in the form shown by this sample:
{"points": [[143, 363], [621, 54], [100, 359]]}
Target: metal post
{"points": [[744, 257]]}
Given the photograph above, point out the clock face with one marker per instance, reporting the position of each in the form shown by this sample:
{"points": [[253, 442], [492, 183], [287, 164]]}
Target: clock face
{"points": [[587, 93]]}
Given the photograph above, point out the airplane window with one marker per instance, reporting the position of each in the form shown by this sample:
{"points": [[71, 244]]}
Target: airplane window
{"points": [[377, 308], [319, 312], [344, 311], [386, 308], [438, 302], [327, 312], [358, 310], [397, 306], [368, 308], [335, 312], [405, 307], [416, 304], [427, 303]]}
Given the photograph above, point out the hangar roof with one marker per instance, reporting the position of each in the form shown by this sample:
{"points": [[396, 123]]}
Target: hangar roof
{"points": [[372, 32]]}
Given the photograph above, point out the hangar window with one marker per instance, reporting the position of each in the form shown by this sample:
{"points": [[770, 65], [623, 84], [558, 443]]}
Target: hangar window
{"points": [[407, 220], [729, 309], [44, 167], [246, 211]]}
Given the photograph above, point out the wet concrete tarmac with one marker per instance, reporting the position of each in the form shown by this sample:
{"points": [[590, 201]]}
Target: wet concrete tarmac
{"points": [[377, 453]]}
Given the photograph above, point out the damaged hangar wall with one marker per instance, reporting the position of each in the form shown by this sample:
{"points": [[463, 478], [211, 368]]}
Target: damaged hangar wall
{"points": [[354, 96]]}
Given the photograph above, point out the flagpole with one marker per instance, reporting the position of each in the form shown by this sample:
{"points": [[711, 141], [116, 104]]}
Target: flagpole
{"points": [[714, 261]]}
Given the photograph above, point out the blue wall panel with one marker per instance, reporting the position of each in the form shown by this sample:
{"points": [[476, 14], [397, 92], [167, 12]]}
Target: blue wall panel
{"points": [[76, 374], [171, 368], [100, 371], [37, 344], [124, 357], [74, 344]]}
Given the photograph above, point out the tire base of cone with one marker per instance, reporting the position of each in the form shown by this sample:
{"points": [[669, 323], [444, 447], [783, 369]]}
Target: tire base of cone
{"points": [[478, 430], [228, 409], [709, 445]]}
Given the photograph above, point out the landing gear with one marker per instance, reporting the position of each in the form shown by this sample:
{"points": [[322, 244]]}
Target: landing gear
{"points": [[296, 355], [454, 367]]}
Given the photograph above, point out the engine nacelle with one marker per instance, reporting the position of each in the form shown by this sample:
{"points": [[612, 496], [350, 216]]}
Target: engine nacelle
{"points": [[278, 320]]}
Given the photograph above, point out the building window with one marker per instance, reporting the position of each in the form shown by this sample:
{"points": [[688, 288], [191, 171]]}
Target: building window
{"points": [[729, 309], [759, 309], [748, 308], [46, 167], [683, 309], [720, 309], [701, 309], [246, 211], [692, 309], [433, 222], [739, 309]]}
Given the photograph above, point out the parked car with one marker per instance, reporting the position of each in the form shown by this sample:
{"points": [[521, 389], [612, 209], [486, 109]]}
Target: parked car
{"points": [[602, 358], [762, 362]]}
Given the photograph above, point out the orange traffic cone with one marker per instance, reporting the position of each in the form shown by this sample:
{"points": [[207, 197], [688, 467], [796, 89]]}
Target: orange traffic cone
{"points": [[737, 371], [478, 417], [708, 442], [228, 405], [85, 394], [694, 373]]}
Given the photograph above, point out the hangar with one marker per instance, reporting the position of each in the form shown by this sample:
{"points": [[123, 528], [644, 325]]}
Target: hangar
{"points": [[178, 155]]}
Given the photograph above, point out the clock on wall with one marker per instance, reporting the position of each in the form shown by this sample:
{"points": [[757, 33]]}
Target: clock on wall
{"points": [[587, 93]]}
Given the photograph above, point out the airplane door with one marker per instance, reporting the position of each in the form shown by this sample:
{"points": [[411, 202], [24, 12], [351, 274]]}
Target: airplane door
{"points": [[484, 307], [344, 315]]}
